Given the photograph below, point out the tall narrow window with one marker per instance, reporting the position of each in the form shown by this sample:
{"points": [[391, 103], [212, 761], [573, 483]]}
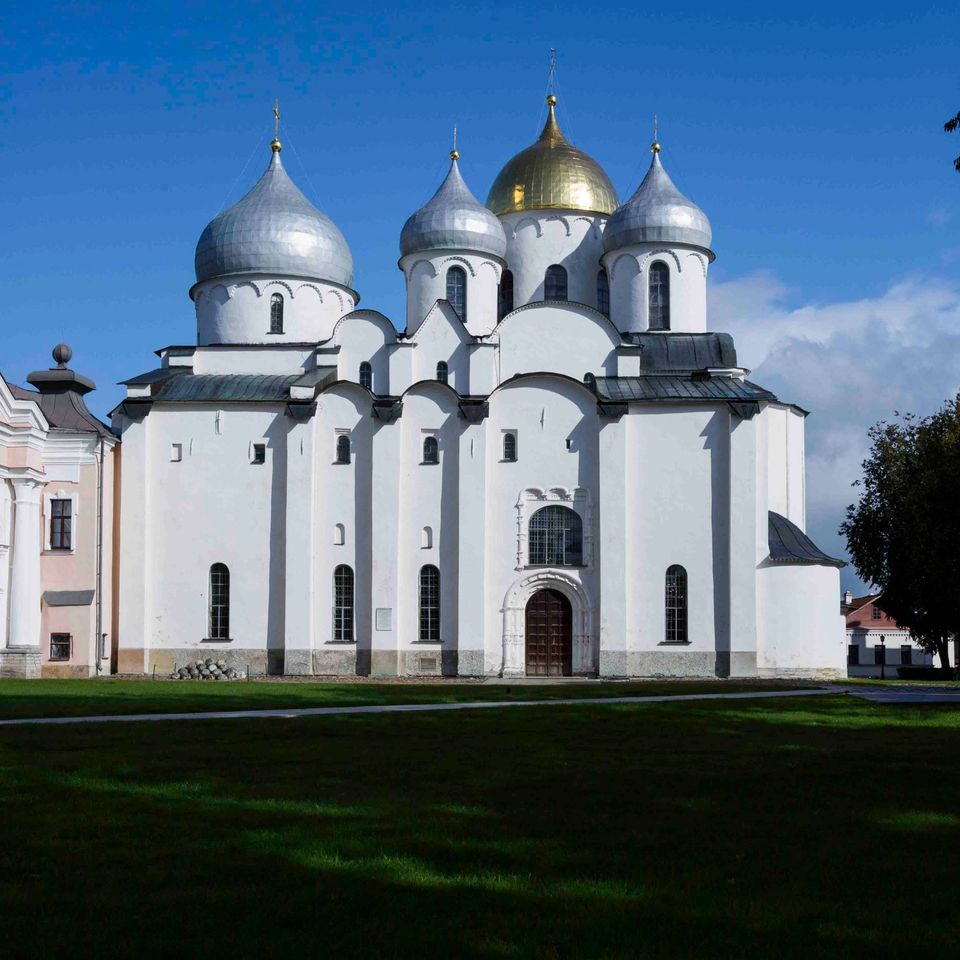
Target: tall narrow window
{"points": [[61, 524], [343, 448], [457, 291], [431, 450], [443, 371], [676, 605], [603, 293], [366, 375], [556, 537], [505, 295], [276, 313], [509, 446], [343, 603], [555, 283], [219, 602], [429, 603], [659, 296]]}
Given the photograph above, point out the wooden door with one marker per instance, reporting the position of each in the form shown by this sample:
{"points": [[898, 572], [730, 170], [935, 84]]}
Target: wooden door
{"points": [[549, 635]]}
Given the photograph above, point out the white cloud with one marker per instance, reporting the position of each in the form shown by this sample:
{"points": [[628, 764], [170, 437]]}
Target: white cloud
{"points": [[850, 363], [939, 216]]}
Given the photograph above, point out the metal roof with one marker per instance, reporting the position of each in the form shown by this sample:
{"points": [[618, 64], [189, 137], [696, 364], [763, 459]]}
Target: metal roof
{"points": [[227, 388], [68, 598], [674, 388], [789, 544], [685, 351]]}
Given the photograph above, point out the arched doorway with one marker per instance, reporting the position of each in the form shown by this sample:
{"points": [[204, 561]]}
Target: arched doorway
{"points": [[549, 635]]}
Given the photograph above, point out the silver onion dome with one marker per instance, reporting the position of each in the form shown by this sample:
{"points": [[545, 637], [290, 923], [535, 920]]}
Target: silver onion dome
{"points": [[453, 219], [274, 229], [657, 212]]}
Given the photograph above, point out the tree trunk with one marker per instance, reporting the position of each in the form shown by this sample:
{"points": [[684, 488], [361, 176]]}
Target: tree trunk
{"points": [[943, 651]]}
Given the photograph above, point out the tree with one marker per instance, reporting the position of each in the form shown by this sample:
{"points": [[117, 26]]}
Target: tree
{"points": [[952, 124], [904, 534]]}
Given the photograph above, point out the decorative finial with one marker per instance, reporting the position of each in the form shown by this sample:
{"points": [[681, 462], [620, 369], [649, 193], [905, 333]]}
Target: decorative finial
{"points": [[62, 354], [454, 153], [276, 146], [552, 100], [655, 146]]}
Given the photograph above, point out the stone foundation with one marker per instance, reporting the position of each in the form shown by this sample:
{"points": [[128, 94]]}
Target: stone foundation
{"points": [[66, 671], [20, 662], [676, 663], [469, 663], [164, 661], [802, 673], [613, 663], [336, 661]]}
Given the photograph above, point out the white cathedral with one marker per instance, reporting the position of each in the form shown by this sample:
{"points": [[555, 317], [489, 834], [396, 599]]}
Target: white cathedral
{"points": [[553, 469]]}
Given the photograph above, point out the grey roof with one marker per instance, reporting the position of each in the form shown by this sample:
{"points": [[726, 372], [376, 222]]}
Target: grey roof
{"points": [[68, 598], [230, 387], [453, 219], [676, 388], [789, 544], [65, 410], [657, 212], [154, 376], [274, 229], [685, 351]]}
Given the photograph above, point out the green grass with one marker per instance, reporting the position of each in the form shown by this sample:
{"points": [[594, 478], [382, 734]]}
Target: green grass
{"points": [[814, 827], [74, 698]]}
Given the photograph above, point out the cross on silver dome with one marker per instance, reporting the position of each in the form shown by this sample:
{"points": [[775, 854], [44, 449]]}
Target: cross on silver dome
{"points": [[657, 212], [274, 229], [453, 219]]}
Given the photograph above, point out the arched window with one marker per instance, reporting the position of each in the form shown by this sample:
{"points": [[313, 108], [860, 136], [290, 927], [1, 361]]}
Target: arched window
{"points": [[426, 538], [659, 296], [509, 446], [443, 371], [457, 291], [431, 450], [603, 293], [343, 603], [505, 295], [219, 602], [555, 283], [343, 448], [339, 534], [366, 375], [556, 537], [429, 603], [276, 313], [676, 605]]}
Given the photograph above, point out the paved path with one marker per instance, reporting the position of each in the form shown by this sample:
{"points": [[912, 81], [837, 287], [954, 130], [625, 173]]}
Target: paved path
{"points": [[416, 707], [906, 694]]}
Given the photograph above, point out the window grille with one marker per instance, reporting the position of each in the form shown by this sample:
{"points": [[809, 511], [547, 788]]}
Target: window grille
{"points": [[603, 293], [429, 603], [443, 371], [431, 450], [876, 613], [555, 283], [457, 291], [366, 375], [556, 537], [343, 448], [676, 604], [343, 603], [61, 524], [276, 313], [60, 646], [510, 446], [659, 288], [219, 602], [505, 295]]}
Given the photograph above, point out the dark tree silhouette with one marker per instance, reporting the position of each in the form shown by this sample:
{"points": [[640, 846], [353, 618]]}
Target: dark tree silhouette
{"points": [[904, 533], [952, 124]]}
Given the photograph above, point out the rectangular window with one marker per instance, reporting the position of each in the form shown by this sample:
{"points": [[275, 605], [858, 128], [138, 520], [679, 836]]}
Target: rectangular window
{"points": [[61, 517], [259, 453], [59, 646], [853, 654], [879, 654], [877, 613], [906, 655], [176, 452]]}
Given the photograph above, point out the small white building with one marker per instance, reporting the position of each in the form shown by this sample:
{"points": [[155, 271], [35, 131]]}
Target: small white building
{"points": [[876, 644], [554, 468]]}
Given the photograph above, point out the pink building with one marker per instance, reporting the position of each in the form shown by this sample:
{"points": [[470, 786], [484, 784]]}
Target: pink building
{"points": [[57, 469], [876, 643]]}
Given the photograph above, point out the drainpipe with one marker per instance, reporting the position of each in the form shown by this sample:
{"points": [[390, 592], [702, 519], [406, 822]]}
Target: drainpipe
{"points": [[98, 638]]}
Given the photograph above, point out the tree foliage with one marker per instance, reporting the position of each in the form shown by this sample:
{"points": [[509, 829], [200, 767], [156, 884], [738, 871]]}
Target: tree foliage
{"points": [[953, 124], [904, 534]]}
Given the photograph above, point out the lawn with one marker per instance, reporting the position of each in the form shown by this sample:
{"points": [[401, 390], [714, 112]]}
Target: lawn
{"points": [[73, 698], [823, 827]]}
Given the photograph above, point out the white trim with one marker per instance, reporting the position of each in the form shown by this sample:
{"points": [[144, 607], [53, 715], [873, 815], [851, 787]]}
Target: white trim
{"points": [[532, 498], [60, 494]]}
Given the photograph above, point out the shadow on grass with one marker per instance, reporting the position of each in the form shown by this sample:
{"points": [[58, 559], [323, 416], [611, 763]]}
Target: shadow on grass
{"points": [[675, 830]]}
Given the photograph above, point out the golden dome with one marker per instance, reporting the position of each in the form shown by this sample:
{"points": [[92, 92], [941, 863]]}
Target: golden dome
{"points": [[552, 175]]}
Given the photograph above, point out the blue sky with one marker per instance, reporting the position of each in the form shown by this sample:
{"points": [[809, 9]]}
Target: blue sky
{"points": [[812, 139]]}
